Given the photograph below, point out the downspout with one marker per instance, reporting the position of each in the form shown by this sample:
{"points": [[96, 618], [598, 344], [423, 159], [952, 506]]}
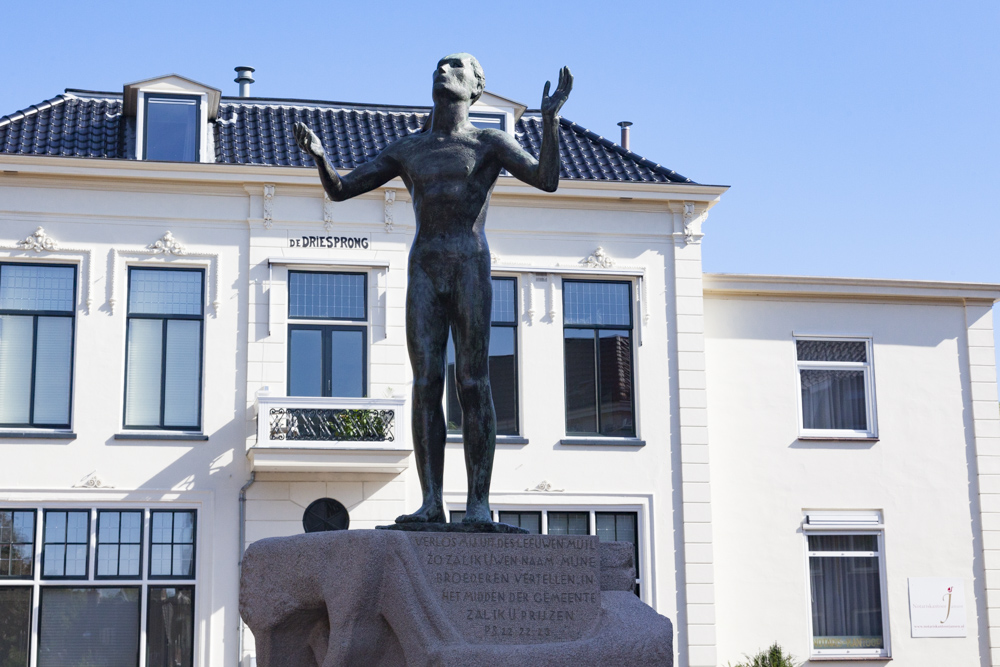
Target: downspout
{"points": [[243, 539]]}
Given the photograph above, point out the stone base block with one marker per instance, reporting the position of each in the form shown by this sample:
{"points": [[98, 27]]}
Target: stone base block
{"points": [[384, 597]]}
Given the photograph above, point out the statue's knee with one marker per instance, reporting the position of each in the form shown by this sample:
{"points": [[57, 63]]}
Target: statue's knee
{"points": [[473, 388], [428, 386]]}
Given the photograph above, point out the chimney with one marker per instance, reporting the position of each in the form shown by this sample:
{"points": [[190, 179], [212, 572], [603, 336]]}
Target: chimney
{"points": [[245, 78], [625, 140]]}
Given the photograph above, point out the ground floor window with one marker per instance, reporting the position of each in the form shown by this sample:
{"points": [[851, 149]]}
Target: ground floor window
{"points": [[847, 597], [92, 602], [608, 526]]}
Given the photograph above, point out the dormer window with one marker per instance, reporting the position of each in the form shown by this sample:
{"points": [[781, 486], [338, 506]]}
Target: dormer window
{"points": [[171, 128], [173, 116], [497, 121]]}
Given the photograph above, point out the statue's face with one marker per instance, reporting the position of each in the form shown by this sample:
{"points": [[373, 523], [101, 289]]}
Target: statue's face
{"points": [[455, 77]]}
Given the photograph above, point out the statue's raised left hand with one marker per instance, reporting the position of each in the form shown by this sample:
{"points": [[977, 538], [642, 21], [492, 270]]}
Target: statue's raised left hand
{"points": [[552, 104], [308, 141]]}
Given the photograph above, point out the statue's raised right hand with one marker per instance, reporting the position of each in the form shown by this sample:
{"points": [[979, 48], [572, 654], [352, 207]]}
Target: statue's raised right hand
{"points": [[308, 141]]}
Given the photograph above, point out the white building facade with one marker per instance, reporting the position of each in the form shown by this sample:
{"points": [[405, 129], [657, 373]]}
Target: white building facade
{"points": [[199, 351]]}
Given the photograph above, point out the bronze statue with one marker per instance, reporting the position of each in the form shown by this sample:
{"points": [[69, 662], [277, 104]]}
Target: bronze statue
{"points": [[450, 168]]}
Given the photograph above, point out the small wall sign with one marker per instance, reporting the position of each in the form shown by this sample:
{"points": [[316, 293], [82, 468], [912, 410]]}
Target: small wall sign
{"points": [[350, 242], [937, 607]]}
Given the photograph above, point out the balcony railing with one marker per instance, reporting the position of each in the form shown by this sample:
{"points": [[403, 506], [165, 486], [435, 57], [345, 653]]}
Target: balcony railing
{"points": [[313, 434]]}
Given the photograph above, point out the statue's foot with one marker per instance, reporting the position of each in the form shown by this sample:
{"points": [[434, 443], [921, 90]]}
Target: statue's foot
{"points": [[478, 514], [424, 515]]}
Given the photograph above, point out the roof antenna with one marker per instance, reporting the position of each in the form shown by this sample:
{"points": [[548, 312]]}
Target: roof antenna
{"points": [[245, 78], [625, 138]]}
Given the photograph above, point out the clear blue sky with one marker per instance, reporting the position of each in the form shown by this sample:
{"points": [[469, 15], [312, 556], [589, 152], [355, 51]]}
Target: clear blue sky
{"points": [[860, 138]]}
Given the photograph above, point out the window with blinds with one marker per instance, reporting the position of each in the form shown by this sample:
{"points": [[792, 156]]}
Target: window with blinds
{"points": [[164, 349], [836, 387], [36, 344]]}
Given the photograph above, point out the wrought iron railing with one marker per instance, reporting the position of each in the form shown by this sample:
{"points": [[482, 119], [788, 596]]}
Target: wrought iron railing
{"points": [[333, 424]]}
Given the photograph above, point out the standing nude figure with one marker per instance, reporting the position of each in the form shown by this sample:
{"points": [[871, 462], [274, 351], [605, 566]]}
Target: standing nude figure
{"points": [[450, 169]]}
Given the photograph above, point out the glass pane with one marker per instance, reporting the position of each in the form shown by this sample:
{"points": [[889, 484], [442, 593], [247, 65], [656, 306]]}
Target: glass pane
{"points": [[183, 560], [53, 560], [831, 350], [597, 303], [456, 516], [171, 129], [128, 560], [184, 527], [843, 543], [616, 383], [453, 410], [335, 296], [183, 371], [77, 527], [530, 521], [846, 602], [55, 526], [17, 541], [15, 626], [503, 378], [305, 362], [164, 292], [504, 301], [107, 560], [15, 369], [53, 360], [620, 527], [834, 399], [347, 363], [108, 526], [32, 287], [568, 523], [76, 560], [160, 560], [170, 627], [145, 347], [581, 381], [163, 526], [131, 530], [24, 527], [82, 627], [486, 121]]}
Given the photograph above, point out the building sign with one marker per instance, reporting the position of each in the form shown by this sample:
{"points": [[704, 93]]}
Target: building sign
{"points": [[937, 607], [351, 242]]}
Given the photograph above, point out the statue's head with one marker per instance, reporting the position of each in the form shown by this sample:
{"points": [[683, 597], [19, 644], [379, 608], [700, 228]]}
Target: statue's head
{"points": [[459, 75]]}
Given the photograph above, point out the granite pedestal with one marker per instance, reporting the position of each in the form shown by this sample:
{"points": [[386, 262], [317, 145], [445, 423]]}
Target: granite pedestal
{"points": [[366, 597]]}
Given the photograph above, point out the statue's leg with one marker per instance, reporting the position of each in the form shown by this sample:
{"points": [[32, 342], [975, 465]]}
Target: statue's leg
{"points": [[473, 299], [426, 341]]}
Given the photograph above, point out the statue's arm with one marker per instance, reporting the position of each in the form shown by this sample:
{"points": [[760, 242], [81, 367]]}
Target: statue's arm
{"points": [[542, 173], [360, 180]]}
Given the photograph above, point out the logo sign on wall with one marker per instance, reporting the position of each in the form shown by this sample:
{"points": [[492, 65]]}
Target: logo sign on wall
{"points": [[937, 607], [350, 242]]}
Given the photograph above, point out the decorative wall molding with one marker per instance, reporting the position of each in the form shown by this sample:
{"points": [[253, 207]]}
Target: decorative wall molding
{"points": [[268, 206], [692, 218], [390, 199], [327, 212], [166, 245], [40, 242], [92, 481], [599, 260], [544, 487]]}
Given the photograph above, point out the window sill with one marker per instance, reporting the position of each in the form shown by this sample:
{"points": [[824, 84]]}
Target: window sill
{"points": [[613, 442], [455, 438], [840, 438], [850, 658], [40, 435], [160, 436]]}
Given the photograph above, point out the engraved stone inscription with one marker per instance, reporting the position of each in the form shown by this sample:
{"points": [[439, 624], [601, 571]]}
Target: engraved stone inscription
{"points": [[514, 589]]}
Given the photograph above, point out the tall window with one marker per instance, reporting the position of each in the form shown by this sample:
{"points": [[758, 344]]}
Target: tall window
{"points": [[620, 527], [170, 128], [36, 344], [327, 347], [597, 332], [92, 621], [163, 362], [837, 391], [846, 585], [503, 362]]}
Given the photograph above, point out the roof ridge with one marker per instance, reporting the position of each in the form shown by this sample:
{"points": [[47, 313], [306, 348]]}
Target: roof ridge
{"points": [[297, 102], [35, 108]]}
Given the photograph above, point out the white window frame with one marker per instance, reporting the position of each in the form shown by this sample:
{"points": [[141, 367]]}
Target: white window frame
{"points": [[847, 523], [144, 581], [871, 432]]}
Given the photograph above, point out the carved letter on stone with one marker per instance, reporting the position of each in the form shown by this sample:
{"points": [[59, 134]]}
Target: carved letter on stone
{"points": [[390, 198], [268, 206]]}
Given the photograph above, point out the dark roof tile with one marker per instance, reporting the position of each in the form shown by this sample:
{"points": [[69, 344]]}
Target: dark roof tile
{"points": [[260, 132]]}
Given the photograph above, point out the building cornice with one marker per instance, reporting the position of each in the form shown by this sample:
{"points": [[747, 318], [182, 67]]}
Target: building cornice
{"points": [[731, 284], [219, 174]]}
